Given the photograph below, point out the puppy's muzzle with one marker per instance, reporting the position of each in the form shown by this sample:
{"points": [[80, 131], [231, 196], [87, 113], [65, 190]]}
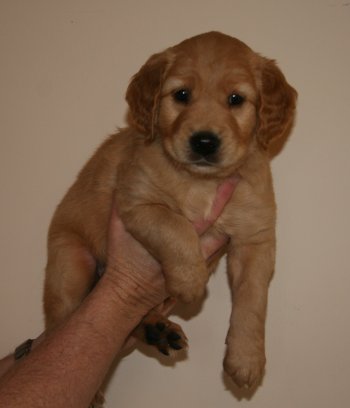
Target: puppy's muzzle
{"points": [[204, 147]]}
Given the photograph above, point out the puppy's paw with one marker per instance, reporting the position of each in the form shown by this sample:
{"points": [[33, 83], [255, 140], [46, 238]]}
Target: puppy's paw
{"points": [[245, 370], [188, 283], [165, 335]]}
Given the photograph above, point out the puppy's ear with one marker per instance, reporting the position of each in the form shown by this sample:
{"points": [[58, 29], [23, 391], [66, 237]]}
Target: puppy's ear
{"points": [[277, 104], [143, 95]]}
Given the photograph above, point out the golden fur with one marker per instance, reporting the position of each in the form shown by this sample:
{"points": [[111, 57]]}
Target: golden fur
{"points": [[159, 187]]}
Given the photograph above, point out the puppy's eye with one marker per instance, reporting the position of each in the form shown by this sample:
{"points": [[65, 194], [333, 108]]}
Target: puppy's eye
{"points": [[235, 99], [182, 96]]}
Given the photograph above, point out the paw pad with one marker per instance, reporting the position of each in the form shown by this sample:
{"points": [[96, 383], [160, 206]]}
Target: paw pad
{"points": [[165, 337]]}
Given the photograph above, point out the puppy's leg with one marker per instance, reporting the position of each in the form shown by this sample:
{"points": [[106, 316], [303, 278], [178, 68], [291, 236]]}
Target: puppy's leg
{"points": [[70, 274], [250, 268], [172, 240]]}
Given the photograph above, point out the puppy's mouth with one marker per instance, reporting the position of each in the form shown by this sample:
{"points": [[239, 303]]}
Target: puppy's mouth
{"points": [[203, 161]]}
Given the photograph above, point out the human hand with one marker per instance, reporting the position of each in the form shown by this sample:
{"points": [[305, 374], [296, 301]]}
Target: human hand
{"points": [[136, 275]]}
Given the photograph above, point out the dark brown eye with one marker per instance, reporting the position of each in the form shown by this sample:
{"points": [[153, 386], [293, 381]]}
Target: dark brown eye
{"points": [[182, 96], [235, 99]]}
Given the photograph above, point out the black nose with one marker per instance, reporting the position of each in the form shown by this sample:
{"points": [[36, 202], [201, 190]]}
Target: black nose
{"points": [[204, 143]]}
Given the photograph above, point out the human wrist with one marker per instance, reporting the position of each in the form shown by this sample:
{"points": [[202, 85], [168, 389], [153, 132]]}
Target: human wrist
{"points": [[132, 298]]}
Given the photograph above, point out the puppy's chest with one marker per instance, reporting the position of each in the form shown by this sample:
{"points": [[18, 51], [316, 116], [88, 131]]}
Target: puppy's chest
{"points": [[246, 212], [244, 215], [196, 202]]}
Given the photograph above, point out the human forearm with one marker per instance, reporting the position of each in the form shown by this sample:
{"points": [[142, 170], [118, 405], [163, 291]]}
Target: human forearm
{"points": [[5, 364], [67, 368]]}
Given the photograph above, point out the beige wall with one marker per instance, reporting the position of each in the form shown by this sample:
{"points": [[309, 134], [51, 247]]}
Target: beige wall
{"points": [[64, 68]]}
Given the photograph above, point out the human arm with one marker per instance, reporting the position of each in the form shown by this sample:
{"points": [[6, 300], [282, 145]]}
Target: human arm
{"points": [[68, 366]]}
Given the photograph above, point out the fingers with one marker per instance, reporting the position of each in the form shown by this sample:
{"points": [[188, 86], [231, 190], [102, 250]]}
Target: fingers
{"points": [[223, 195]]}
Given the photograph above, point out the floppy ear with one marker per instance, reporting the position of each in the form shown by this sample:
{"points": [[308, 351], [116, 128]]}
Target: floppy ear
{"points": [[277, 104], [143, 95]]}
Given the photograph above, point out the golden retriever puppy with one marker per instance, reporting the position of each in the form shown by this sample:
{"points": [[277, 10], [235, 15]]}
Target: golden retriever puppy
{"points": [[199, 112]]}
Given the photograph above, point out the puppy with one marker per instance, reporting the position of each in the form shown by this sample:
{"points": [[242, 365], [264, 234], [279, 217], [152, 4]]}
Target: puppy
{"points": [[199, 112]]}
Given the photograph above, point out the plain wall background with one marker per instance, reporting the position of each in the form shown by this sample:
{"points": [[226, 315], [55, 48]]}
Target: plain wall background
{"points": [[65, 66]]}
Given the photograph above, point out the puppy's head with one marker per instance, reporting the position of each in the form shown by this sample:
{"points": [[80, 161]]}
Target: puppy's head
{"points": [[210, 100]]}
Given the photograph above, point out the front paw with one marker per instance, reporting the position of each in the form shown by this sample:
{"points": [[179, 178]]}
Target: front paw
{"points": [[245, 368], [187, 283]]}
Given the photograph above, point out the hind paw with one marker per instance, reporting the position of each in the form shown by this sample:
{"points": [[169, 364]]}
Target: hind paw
{"points": [[165, 336]]}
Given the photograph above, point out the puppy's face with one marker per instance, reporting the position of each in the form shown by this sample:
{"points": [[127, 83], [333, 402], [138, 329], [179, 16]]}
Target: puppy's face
{"points": [[207, 113], [211, 100]]}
